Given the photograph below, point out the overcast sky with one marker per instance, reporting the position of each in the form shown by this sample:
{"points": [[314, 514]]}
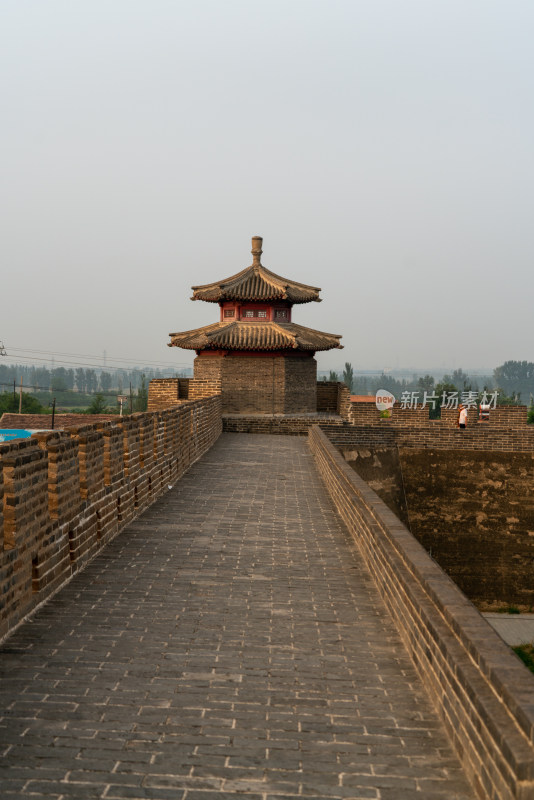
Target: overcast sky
{"points": [[382, 148]]}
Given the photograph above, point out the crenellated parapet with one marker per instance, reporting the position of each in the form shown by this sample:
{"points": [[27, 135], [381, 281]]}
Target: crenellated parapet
{"points": [[65, 494]]}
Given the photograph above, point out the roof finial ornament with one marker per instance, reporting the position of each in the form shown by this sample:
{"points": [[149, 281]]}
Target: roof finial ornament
{"points": [[256, 250]]}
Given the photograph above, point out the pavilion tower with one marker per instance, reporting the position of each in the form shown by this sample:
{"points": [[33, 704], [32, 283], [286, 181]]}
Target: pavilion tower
{"points": [[263, 361]]}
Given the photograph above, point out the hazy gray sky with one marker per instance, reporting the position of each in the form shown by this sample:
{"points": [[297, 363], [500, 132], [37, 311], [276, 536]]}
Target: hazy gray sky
{"points": [[383, 149]]}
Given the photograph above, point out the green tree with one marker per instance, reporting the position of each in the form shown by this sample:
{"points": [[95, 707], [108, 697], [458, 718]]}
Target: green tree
{"points": [[30, 405], [348, 375], [40, 376], [91, 380], [530, 417], [105, 381], [513, 399], [141, 401], [360, 385], [81, 381], [333, 376], [460, 379], [515, 378], [58, 383], [62, 379], [98, 405], [426, 384]]}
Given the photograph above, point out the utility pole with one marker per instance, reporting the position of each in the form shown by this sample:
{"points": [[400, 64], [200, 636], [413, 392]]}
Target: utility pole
{"points": [[20, 397]]}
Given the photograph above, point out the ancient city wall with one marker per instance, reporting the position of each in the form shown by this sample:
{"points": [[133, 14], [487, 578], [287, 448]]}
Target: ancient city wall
{"points": [[167, 392], [480, 688], [503, 416], [65, 494], [472, 510], [327, 396], [284, 386], [435, 434]]}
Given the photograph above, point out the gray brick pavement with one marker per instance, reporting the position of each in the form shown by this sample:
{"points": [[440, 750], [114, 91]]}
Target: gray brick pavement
{"points": [[228, 643]]}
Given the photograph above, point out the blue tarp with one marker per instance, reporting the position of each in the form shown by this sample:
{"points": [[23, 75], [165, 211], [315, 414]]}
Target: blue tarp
{"points": [[6, 434]]}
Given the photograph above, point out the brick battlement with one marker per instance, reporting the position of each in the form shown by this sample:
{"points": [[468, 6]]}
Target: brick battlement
{"points": [[44, 421], [502, 416], [481, 436], [64, 494]]}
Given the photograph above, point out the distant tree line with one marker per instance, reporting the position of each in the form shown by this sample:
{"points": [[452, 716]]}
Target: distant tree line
{"points": [[88, 381], [514, 381], [38, 402]]}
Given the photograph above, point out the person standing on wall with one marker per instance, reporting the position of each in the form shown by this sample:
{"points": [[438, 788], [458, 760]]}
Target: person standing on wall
{"points": [[462, 417]]}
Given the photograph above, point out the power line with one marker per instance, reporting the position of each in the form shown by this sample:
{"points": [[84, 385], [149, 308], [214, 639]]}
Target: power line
{"points": [[57, 391], [53, 360], [86, 356]]}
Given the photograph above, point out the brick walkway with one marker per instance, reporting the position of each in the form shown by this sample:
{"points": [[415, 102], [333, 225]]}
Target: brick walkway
{"points": [[227, 643]]}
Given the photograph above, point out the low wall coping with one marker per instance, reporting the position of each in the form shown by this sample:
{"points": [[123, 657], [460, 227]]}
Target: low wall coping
{"points": [[493, 685]]}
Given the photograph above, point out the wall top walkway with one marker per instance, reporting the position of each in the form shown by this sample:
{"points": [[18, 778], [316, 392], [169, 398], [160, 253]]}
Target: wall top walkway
{"points": [[229, 641]]}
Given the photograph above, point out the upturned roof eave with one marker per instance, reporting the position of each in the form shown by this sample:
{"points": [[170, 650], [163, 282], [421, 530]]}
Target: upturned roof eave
{"points": [[282, 336], [259, 269], [295, 301], [277, 288]]}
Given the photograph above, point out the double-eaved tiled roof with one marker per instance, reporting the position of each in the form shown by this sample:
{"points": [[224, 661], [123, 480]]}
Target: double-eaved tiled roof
{"points": [[256, 283], [237, 335]]}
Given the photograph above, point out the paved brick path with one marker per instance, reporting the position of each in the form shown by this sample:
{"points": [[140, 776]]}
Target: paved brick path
{"points": [[228, 643]]}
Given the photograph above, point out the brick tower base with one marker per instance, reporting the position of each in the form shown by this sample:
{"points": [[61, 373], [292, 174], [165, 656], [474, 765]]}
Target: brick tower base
{"points": [[262, 384]]}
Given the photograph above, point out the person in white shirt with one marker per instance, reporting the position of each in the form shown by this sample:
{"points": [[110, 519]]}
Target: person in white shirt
{"points": [[462, 417]]}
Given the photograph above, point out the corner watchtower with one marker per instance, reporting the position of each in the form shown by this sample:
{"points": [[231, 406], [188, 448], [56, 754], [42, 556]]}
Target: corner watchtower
{"points": [[263, 360]]}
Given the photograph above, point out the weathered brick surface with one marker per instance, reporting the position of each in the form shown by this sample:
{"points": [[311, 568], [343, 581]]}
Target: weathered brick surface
{"points": [[434, 434], [44, 421], [90, 459], [482, 692], [65, 494], [327, 394], [64, 498], [26, 524], [300, 385], [228, 643], [258, 384], [167, 392], [508, 416], [473, 510], [113, 452], [131, 445], [512, 417], [207, 380], [250, 390], [503, 416], [284, 424]]}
